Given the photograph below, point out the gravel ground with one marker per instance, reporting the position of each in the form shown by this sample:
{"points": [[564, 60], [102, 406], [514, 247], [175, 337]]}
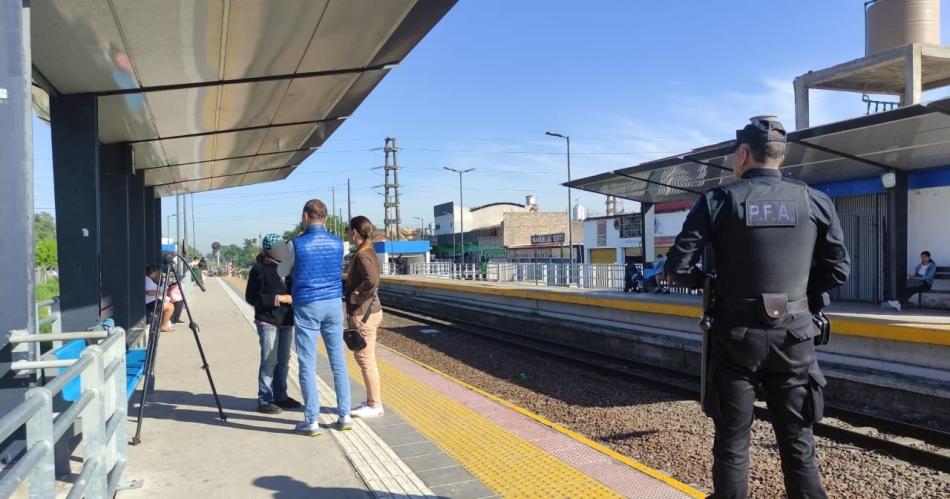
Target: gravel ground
{"points": [[657, 428]]}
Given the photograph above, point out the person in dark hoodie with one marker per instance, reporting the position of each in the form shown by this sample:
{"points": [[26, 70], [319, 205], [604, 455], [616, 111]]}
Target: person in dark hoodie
{"points": [[274, 317]]}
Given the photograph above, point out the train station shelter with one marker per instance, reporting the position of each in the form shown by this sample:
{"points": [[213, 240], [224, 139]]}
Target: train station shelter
{"points": [[888, 173], [152, 99]]}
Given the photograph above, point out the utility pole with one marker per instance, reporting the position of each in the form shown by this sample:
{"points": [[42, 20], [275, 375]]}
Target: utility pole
{"points": [[349, 203], [391, 196], [611, 206], [184, 209], [333, 227], [194, 232], [178, 223]]}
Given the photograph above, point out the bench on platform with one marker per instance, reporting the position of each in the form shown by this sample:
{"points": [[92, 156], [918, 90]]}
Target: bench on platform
{"points": [[942, 274], [134, 368]]}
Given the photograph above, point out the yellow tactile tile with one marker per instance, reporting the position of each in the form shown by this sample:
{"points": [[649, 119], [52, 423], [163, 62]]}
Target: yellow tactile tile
{"points": [[503, 461]]}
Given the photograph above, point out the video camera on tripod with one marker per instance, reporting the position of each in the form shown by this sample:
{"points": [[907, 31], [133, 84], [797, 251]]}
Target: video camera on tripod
{"points": [[168, 271]]}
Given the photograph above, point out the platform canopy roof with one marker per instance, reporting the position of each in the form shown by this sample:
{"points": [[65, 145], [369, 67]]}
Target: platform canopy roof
{"points": [[213, 94], [909, 138]]}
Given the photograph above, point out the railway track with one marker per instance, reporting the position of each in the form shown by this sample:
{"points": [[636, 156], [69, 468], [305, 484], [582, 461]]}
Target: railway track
{"points": [[855, 428]]}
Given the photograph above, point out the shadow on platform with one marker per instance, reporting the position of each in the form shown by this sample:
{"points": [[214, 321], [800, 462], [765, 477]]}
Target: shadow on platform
{"points": [[286, 487]]}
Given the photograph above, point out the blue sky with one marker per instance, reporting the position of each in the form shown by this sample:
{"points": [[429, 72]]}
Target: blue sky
{"points": [[628, 80]]}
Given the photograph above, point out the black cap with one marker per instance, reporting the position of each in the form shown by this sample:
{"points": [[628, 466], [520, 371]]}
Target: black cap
{"points": [[761, 129]]}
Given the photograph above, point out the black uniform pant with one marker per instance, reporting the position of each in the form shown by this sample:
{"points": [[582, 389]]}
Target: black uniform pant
{"points": [[783, 362]]}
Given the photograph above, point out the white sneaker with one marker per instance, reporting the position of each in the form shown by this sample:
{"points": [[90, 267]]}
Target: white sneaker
{"points": [[344, 423], [896, 305], [308, 429], [365, 411]]}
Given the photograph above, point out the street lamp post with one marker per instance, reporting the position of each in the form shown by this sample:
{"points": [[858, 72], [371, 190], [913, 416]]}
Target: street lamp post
{"points": [[422, 227], [168, 224], [570, 231], [461, 205]]}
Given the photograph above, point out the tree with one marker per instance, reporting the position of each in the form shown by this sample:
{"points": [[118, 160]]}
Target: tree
{"points": [[44, 227], [292, 233], [334, 224], [46, 255]]}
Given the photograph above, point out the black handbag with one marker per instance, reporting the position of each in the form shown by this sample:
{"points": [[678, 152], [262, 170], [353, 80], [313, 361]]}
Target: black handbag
{"points": [[353, 337]]}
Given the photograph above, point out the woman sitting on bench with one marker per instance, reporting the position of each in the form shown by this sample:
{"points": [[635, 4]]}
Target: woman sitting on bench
{"points": [[921, 280], [151, 298]]}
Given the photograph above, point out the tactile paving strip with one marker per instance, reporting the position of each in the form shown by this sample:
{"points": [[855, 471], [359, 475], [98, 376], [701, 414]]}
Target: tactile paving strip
{"points": [[620, 477], [383, 471], [504, 462]]}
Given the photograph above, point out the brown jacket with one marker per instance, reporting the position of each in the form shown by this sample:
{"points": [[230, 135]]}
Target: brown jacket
{"points": [[362, 283]]}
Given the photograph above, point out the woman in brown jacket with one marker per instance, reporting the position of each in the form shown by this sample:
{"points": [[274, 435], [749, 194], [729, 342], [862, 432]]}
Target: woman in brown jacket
{"points": [[364, 310]]}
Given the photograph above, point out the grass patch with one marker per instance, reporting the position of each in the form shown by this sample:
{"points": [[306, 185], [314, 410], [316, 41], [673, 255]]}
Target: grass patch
{"points": [[44, 292]]}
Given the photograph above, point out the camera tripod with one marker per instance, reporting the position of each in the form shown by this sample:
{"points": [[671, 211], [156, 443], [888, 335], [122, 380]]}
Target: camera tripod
{"points": [[154, 333]]}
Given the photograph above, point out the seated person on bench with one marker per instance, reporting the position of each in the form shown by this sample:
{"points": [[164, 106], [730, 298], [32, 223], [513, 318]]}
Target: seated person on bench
{"points": [[921, 280], [151, 298]]}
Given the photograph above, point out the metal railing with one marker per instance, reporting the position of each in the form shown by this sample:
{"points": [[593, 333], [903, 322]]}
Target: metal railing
{"points": [[53, 319], [101, 406], [582, 275]]}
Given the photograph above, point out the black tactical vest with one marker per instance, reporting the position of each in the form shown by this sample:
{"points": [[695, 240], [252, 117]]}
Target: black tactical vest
{"points": [[766, 242]]}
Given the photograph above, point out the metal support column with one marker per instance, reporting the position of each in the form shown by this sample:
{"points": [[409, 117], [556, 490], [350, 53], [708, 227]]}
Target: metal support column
{"points": [[155, 250], [895, 261], [76, 186], [139, 226], [17, 296], [115, 165], [647, 233]]}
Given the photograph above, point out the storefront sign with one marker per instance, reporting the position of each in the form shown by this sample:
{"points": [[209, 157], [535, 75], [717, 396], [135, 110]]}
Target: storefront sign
{"points": [[548, 238]]}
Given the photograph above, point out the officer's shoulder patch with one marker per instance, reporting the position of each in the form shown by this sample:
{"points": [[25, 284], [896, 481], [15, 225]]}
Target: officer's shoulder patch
{"points": [[771, 213]]}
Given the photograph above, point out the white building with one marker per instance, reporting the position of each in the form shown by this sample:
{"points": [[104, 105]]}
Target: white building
{"points": [[618, 238], [448, 219]]}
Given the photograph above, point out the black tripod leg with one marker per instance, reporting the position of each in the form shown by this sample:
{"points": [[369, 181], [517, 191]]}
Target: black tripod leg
{"points": [[204, 360], [151, 349]]}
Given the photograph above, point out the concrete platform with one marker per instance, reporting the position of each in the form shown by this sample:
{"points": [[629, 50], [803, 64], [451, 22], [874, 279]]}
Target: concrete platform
{"points": [[439, 438], [186, 451]]}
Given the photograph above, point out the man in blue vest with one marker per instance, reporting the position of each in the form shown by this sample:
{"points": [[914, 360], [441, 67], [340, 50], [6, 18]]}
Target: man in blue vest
{"points": [[315, 260]]}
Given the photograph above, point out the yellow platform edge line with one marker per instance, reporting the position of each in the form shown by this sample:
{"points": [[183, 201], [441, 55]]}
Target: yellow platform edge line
{"points": [[465, 459], [848, 327], [672, 482], [532, 463]]}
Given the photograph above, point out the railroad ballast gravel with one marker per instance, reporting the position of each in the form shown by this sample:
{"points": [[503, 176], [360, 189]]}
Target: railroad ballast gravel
{"points": [[659, 429]]}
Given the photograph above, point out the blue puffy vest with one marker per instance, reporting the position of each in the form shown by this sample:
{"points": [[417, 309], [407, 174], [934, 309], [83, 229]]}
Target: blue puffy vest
{"points": [[318, 266]]}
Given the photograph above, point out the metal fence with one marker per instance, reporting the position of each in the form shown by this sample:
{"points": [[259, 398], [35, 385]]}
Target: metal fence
{"points": [[53, 319], [101, 407], [582, 275]]}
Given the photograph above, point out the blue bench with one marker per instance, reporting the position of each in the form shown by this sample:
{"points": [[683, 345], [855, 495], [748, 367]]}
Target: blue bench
{"points": [[134, 368]]}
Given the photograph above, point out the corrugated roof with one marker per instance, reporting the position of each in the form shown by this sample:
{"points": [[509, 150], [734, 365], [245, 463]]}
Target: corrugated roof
{"points": [[214, 94]]}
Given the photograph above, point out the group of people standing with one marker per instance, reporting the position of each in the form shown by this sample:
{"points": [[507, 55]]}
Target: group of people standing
{"points": [[299, 291]]}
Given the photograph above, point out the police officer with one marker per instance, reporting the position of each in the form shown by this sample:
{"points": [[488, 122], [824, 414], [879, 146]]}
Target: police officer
{"points": [[774, 241]]}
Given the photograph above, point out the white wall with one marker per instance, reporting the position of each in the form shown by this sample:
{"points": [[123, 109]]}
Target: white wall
{"points": [[485, 217], [928, 228], [613, 238]]}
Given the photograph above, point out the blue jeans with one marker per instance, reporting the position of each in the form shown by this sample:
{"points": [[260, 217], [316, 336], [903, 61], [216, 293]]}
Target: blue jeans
{"points": [[275, 354], [325, 316]]}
